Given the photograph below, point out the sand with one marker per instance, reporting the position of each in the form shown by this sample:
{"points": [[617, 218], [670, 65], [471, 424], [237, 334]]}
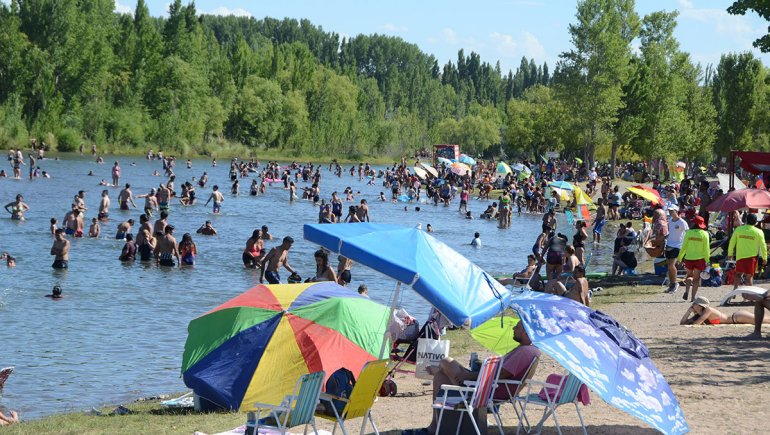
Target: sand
{"points": [[719, 376]]}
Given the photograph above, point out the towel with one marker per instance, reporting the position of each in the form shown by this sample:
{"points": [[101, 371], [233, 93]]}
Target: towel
{"points": [[555, 379]]}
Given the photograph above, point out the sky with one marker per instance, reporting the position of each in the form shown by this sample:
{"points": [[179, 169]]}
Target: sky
{"points": [[503, 30]]}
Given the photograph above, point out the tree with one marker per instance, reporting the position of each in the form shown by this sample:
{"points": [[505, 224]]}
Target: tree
{"points": [[762, 8], [593, 73], [739, 95]]}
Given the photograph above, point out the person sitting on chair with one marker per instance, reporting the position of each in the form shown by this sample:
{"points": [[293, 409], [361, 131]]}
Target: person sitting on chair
{"points": [[524, 274], [514, 366]]}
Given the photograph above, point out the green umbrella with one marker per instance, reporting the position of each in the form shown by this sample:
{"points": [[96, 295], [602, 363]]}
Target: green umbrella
{"points": [[497, 338]]}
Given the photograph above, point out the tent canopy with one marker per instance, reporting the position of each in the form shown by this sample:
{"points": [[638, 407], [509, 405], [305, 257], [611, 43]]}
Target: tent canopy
{"points": [[754, 162]]}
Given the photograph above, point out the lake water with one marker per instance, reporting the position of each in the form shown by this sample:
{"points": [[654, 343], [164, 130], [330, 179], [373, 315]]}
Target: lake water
{"points": [[119, 332]]}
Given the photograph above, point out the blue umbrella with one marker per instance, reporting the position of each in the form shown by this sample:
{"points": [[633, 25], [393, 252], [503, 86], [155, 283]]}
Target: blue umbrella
{"points": [[459, 289], [608, 358], [562, 185], [468, 160]]}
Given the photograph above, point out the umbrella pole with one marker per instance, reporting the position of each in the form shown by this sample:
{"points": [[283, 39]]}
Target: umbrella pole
{"points": [[396, 294]]}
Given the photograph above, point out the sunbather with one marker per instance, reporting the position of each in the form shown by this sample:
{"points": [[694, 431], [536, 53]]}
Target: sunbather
{"points": [[525, 273], [701, 313]]}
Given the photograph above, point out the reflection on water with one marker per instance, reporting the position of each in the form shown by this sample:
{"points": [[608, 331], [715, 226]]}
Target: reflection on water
{"points": [[119, 332]]}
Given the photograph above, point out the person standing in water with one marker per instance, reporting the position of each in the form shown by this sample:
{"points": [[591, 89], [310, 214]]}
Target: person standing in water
{"points": [[17, 208], [104, 206], [60, 250], [167, 249], [218, 198], [115, 174], [277, 257], [125, 197]]}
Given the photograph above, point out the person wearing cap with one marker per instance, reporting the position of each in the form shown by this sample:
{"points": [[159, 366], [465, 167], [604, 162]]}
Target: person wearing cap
{"points": [[676, 229], [701, 313], [746, 243], [696, 253]]}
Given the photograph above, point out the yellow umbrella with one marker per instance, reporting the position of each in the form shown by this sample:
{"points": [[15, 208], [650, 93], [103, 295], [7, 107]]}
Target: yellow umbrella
{"points": [[646, 194], [582, 197], [563, 195]]}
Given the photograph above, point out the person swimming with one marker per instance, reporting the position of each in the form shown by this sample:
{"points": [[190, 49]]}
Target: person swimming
{"points": [[56, 293]]}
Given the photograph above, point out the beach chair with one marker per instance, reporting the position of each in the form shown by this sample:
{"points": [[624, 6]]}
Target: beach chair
{"points": [[296, 409], [513, 390], [473, 395], [569, 386], [361, 399]]}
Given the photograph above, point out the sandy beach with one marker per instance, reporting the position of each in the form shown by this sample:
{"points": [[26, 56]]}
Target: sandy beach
{"points": [[718, 375]]}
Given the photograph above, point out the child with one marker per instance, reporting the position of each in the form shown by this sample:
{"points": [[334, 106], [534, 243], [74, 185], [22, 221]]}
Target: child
{"points": [[94, 229], [53, 226], [363, 290], [476, 242]]}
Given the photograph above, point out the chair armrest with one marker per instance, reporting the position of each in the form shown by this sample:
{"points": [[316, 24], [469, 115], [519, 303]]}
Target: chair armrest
{"points": [[460, 388], [542, 384], [272, 407], [329, 397]]}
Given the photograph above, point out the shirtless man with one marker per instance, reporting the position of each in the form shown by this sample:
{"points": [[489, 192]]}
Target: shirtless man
{"points": [[160, 225], [104, 206], [125, 197], [578, 292], [207, 230], [60, 250], [167, 248], [73, 222], [277, 257], [265, 234], [144, 224], [80, 200], [163, 197], [362, 212], [217, 196], [150, 202], [124, 229]]}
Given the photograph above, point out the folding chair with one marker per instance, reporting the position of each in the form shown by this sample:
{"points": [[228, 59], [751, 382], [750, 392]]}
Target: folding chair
{"points": [[569, 386], [296, 409], [513, 389], [361, 398], [473, 395]]}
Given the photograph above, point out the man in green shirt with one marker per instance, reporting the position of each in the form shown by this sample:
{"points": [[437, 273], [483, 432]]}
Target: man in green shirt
{"points": [[746, 243], [696, 253]]}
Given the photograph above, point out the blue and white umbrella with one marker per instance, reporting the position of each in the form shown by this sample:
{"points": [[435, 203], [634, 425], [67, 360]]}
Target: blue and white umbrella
{"points": [[608, 358], [444, 160], [468, 160]]}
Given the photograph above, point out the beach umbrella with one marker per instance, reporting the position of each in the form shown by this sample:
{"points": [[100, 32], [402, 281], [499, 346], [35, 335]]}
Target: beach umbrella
{"points": [[468, 160], [444, 160], [739, 199], [459, 168], [496, 334], [583, 201], [420, 172], [562, 185], [562, 193], [604, 355], [518, 167], [579, 160], [255, 346], [647, 193], [459, 289], [503, 168], [430, 169], [681, 165]]}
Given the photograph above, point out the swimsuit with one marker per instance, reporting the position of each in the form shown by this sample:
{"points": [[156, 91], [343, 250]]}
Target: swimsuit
{"points": [[59, 264], [272, 277], [124, 205], [166, 259], [217, 207]]}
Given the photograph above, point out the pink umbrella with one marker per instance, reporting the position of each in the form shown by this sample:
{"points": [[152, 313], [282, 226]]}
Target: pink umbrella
{"points": [[738, 199], [460, 168]]}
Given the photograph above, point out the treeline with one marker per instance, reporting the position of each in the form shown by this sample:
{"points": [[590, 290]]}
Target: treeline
{"points": [[73, 71]]}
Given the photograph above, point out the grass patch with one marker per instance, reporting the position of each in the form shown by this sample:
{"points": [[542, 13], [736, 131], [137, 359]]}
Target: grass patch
{"points": [[145, 417]]}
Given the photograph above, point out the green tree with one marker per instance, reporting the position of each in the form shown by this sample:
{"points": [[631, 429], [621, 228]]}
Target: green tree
{"points": [[593, 73], [762, 8]]}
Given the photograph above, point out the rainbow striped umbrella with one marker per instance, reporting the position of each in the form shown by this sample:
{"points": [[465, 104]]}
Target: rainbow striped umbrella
{"points": [[255, 346]]}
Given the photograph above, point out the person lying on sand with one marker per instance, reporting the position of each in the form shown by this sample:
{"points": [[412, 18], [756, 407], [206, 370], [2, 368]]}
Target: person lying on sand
{"points": [[701, 313]]}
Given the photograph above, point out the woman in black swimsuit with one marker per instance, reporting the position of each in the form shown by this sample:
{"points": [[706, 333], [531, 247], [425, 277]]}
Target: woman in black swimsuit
{"points": [[578, 241]]}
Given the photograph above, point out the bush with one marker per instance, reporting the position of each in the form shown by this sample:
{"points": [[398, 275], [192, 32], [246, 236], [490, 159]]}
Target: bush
{"points": [[68, 139]]}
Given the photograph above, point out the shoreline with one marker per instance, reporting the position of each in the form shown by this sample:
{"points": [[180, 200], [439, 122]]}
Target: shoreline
{"points": [[699, 362]]}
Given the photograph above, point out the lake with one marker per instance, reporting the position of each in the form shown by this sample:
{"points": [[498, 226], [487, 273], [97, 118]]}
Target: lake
{"points": [[119, 332]]}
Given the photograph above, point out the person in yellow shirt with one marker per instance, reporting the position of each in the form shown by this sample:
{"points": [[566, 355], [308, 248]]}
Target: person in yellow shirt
{"points": [[746, 243], [695, 252]]}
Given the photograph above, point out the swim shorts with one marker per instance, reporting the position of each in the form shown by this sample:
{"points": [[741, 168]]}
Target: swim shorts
{"points": [[167, 262], [59, 264], [599, 225], [102, 216], [671, 253], [272, 277], [124, 205], [695, 264], [248, 260], [120, 236], [69, 231], [554, 258], [746, 265], [217, 207]]}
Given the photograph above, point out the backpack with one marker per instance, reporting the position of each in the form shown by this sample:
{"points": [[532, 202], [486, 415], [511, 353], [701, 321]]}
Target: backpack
{"points": [[340, 384]]}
